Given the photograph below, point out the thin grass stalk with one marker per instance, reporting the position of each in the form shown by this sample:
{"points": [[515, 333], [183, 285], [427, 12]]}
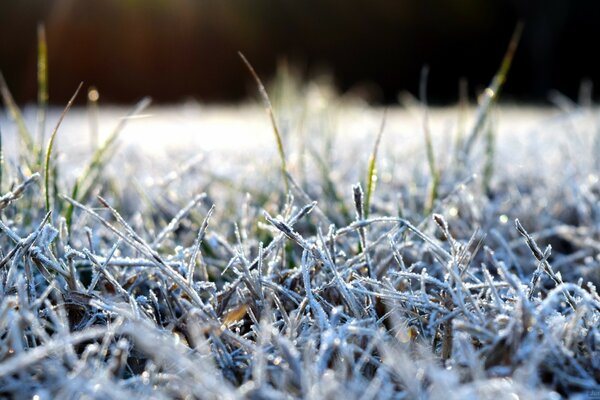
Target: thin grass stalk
{"points": [[490, 94], [42, 79], [372, 170], [490, 152], [174, 223], [433, 169], [269, 109], [192, 263], [55, 173], [51, 146], [69, 213], [359, 204]]}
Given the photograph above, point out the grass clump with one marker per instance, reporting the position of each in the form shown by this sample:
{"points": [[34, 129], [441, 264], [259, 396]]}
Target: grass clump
{"points": [[187, 287]]}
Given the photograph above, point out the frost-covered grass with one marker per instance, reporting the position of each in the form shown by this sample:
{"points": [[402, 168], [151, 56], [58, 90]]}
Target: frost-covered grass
{"points": [[187, 273]]}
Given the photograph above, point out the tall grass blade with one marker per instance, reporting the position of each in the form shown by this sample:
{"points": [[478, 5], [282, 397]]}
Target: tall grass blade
{"points": [[372, 170], [271, 114], [42, 80], [433, 169], [490, 94], [490, 152], [51, 146]]}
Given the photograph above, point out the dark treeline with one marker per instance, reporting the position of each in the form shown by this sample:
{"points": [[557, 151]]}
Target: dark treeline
{"points": [[176, 49]]}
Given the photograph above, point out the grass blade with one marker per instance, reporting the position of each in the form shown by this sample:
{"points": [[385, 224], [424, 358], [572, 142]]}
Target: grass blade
{"points": [[69, 213], [491, 93], [271, 114], [372, 170], [433, 169], [490, 153], [51, 146], [196, 251], [42, 79]]}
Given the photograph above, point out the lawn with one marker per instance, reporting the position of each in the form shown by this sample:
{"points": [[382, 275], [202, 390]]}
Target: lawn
{"points": [[325, 249]]}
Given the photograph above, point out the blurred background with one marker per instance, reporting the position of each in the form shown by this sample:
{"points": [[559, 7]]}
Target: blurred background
{"points": [[176, 50]]}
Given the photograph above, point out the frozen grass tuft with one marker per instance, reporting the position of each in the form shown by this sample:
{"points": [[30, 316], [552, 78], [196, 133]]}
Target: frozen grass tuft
{"points": [[203, 283]]}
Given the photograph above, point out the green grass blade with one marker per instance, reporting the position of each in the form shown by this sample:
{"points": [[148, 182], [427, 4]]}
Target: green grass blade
{"points": [[490, 94], [69, 213], [42, 79], [55, 171], [51, 146], [271, 114], [372, 170]]}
